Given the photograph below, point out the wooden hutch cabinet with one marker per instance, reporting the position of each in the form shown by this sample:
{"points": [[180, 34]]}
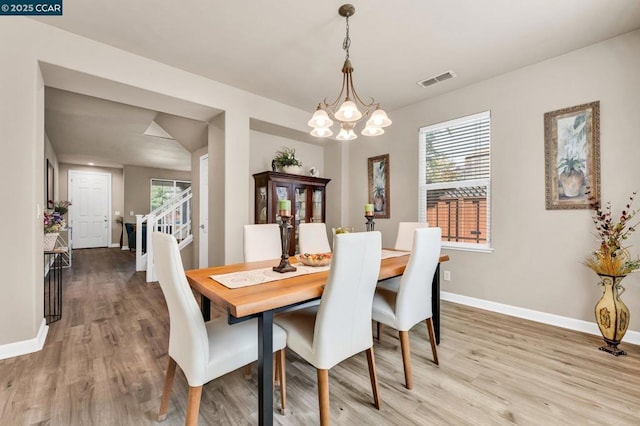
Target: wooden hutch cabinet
{"points": [[307, 195]]}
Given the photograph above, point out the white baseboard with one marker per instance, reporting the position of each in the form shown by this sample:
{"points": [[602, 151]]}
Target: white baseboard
{"points": [[115, 245], [26, 346], [632, 337], [125, 247]]}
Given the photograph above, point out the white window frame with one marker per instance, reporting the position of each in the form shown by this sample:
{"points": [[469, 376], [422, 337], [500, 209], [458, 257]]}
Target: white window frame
{"points": [[423, 187], [173, 181]]}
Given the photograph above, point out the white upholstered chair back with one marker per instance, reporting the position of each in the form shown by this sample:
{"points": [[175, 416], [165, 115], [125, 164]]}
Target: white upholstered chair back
{"points": [[262, 242], [413, 303], [188, 340], [404, 240], [343, 323], [312, 238]]}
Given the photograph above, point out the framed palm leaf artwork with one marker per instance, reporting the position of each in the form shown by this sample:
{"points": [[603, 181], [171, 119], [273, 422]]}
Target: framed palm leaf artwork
{"points": [[572, 156], [379, 189]]}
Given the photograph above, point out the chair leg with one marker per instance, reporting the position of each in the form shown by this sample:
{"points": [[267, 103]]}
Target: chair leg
{"points": [[374, 377], [378, 330], [168, 383], [323, 397], [280, 363], [432, 339], [247, 371], [193, 405], [406, 358]]}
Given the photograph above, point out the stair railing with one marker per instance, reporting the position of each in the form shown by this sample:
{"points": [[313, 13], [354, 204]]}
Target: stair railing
{"points": [[173, 217]]}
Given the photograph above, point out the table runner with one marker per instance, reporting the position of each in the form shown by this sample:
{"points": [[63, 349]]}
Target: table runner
{"points": [[241, 279], [386, 254]]}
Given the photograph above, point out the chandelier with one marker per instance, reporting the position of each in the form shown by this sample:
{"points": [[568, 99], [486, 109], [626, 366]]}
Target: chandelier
{"points": [[347, 113]]}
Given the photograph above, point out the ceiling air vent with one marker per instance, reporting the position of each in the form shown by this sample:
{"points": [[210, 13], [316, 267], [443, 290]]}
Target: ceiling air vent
{"points": [[437, 79]]}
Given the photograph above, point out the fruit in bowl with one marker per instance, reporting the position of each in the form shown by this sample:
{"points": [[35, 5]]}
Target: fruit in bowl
{"points": [[315, 259]]}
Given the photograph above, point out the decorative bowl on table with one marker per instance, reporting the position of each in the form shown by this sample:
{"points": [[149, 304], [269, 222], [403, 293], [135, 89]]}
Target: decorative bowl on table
{"points": [[315, 259]]}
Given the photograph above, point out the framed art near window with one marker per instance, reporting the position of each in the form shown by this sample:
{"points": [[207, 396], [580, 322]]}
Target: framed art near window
{"points": [[379, 188], [572, 156]]}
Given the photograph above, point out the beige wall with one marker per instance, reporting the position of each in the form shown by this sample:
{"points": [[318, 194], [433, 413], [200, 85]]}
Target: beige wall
{"points": [[536, 262], [117, 193]]}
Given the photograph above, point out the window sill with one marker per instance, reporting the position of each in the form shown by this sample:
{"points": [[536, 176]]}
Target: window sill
{"points": [[468, 248]]}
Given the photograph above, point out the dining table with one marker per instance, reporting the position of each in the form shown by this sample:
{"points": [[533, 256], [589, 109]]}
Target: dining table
{"points": [[263, 300]]}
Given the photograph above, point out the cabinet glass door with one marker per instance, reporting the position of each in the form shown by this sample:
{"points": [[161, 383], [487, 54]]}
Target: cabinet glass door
{"points": [[282, 193], [261, 203], [316, 207], [301, 211]]}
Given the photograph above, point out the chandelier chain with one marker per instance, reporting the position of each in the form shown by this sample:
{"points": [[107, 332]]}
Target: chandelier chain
{"points": [[347, 41]]}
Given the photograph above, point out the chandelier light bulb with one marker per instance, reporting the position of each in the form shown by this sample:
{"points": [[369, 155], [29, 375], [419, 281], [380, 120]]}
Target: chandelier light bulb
{"points": [[321, 132], [372, 131], [320, 118], [346, 135], [348, 112], [379, 119]]}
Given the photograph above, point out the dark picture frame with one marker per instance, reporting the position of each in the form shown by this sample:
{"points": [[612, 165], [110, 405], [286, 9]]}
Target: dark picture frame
{"points": [[378, 186], [50, 185], [572, 156]]}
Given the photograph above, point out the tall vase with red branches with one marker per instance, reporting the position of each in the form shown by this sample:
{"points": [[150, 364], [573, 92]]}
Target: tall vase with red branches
{"points": [[612, 261]]}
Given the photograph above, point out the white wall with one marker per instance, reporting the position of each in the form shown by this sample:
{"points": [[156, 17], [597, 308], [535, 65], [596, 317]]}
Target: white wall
{"points": [[536, 263], [22, 135]]}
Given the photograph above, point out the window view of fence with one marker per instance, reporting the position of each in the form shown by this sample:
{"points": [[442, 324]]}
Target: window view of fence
{"points": [[455, 180]]}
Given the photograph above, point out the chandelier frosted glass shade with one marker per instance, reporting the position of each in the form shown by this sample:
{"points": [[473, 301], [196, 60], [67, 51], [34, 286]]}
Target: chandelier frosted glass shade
{"points": [[320, 119], [372, 131], [346, 135], [348, 109], [348, 112], [379, 119], [322, 132]]}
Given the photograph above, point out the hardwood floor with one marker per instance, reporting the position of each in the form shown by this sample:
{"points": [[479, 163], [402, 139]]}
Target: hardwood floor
{"points": [[104, 363]]}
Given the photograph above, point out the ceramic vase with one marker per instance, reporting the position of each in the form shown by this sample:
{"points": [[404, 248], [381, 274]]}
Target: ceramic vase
{"points": [[612, 315], [294, 170]]}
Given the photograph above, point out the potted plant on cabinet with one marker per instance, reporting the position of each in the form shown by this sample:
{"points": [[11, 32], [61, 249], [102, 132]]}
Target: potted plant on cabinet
{"points": [[287, 162], [612, 262]]}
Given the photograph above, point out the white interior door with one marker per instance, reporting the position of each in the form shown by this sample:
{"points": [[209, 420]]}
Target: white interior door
{"points": [[204, 212], [91, 203]]}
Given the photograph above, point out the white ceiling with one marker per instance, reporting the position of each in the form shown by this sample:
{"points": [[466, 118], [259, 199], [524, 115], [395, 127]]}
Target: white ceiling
{"points": [[291, 51]]}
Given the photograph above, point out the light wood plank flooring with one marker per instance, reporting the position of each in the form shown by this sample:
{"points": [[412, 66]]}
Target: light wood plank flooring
{"points": [[103, 364]]}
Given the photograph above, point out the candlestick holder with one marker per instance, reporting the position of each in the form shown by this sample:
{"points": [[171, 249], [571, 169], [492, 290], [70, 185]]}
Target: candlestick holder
{"points": [[285, 237], [370, 223]]}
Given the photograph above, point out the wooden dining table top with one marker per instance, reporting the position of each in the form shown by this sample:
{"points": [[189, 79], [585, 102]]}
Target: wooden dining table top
{"points": [[250, 300]]}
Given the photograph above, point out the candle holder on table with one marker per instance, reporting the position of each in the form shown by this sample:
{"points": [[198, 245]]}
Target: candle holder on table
{"points": [[370, 223], [285, 237]]}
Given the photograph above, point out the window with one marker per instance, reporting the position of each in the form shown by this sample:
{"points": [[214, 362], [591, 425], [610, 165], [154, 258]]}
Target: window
{"points": [[455, 178], [163, 190]]}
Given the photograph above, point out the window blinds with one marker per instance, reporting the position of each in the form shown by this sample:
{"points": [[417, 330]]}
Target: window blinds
{"points": [[455, 172]]}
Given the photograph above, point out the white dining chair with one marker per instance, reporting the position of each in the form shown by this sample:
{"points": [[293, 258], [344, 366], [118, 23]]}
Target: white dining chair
{"points": [[262, 242], [411, 303], [204, 351], [340, 326], [312, 238], [404, 239]]}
